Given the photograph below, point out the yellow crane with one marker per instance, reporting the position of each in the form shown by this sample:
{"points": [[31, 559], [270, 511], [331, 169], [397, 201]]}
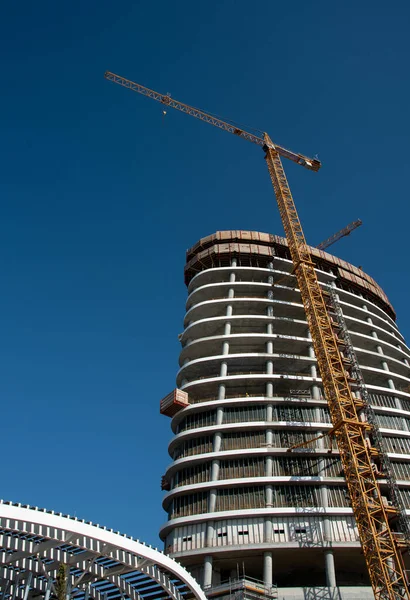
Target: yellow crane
{"points": [[375, 518]]}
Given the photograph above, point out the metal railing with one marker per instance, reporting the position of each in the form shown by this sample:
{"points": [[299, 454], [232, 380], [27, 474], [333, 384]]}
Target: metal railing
{"points": [[247, 585]]}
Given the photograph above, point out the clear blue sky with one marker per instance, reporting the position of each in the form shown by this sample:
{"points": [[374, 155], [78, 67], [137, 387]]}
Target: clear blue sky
{"points": [[101, 195]]}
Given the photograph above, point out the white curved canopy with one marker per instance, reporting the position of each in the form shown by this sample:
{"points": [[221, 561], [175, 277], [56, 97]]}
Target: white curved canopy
{"points": [[102, 564]]}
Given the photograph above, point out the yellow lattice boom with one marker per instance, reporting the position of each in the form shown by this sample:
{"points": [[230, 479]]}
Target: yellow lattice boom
{"points": [[372, 516]]}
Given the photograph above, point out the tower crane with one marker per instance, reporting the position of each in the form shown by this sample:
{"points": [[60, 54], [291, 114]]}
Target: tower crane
{"points": [[337, 236], [375, 518]]}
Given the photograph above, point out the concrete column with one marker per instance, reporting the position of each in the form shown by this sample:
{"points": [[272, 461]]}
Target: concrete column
{"points": [[215, 470], [315, 389], [391, 386], [268, 461], [207, 571], [217, 442], [267, 568], [327, 531], [227, 331], [330, 569], [219, 415], [269, 473], [269, 363], [268, 538], [212, 500], [209, 541]]}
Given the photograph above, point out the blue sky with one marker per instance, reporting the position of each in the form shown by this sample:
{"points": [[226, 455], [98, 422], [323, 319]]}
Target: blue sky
{"points": [[101, 195]]}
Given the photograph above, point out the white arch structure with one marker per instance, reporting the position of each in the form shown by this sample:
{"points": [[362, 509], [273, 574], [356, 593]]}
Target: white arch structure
{"points": [[103, 564]]}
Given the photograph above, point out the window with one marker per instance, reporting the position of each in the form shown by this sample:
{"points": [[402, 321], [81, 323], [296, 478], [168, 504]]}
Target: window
{"points": [[203, 419], [244, 414]]}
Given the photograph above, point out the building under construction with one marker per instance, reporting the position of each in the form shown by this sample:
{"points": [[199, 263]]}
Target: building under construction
{"points": [[255, 494]]}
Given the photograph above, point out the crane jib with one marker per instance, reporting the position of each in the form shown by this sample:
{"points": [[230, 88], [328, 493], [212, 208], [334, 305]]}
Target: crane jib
{"points": [[312, 164]]}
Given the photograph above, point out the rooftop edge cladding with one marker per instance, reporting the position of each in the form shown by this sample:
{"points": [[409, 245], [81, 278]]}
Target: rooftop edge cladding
{"points": [[220, 247]]}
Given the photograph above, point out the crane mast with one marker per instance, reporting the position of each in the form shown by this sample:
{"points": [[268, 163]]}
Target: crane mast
{"points": [[350, 426]]}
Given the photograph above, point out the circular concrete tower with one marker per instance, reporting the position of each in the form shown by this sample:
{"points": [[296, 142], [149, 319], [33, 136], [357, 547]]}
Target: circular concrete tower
{"points": [[241, 506]]}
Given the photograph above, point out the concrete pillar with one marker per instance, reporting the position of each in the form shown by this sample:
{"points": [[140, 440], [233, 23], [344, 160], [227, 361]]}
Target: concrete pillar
{"points": [[207, 571], [391, 386], [268, 538], [268, 466], [269, 489], [217, 442], [327, 530], [267, 568], [315, 389], [209, 541], [227, 331], [215, 470], [219, 415], [212, 500], [330, 569]]}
